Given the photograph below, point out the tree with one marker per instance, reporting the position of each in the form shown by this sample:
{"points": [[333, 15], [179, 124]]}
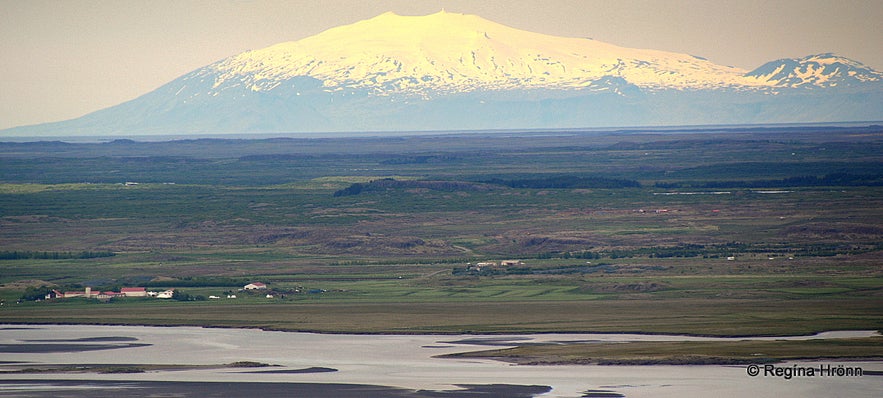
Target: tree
{"points": [[35, 293]]}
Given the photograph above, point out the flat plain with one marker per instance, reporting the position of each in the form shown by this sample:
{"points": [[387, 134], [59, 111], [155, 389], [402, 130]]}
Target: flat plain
{"points": [[730, 231]]}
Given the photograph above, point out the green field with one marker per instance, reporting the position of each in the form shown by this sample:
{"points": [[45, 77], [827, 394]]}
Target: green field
{"points": [[741, 232], [688, 352]]}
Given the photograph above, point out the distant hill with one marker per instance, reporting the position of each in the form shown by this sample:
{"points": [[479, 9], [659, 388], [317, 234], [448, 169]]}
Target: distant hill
{"points": [[449, 71]]}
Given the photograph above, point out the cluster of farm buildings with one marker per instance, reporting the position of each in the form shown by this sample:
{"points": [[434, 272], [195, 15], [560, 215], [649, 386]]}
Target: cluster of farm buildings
{"points": [[124, 292], [491, 264], [131, 292]]}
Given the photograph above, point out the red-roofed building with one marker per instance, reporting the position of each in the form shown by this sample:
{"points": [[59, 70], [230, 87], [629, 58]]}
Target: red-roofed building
{"points": [[109, 295], [88, 293]]}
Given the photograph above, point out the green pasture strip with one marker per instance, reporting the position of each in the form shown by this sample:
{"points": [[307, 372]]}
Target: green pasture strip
{"points": [[25, 188], [688, 352], [706, 316]]}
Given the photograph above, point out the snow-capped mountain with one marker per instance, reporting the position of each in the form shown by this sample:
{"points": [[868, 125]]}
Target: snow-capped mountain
{"points": [[449, 71], [822, 70], [447, 52]]}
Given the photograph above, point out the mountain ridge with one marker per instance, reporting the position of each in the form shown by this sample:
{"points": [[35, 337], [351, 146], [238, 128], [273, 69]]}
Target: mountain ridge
{"points": [[823, 70], [448, 71]]}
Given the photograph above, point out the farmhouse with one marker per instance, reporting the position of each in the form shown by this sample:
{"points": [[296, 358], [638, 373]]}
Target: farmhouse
{"points": [[88, 293], [255, 286], [106, 295], [109, 295], [165, 294], [133, 292]]}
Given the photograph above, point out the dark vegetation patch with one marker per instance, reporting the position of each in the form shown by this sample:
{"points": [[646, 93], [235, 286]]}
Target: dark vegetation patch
{"points": [[577, 269], [635, 287], [392, 184], [602, 394], [45, 255], [567, 182], [64, 347], [198, 281], [837, 231], [107, 389], [314, 369], [827, 180], [247, 364], [139, 368], [422, 159], [86, 339]]}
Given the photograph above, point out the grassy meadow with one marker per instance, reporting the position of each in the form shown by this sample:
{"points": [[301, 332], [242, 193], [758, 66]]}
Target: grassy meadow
{"points": [[739, 232]]}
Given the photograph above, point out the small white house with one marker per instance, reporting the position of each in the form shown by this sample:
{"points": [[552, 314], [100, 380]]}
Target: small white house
{"points": [[255, 286], [165, 294]]}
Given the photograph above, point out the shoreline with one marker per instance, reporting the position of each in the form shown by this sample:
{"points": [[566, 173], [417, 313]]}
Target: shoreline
{"points": [[114, 388], [718, 361], [3, 325]]}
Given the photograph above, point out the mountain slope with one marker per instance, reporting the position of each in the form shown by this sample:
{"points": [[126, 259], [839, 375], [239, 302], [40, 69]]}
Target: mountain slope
{"points": [[451, 71], [457, 53]]}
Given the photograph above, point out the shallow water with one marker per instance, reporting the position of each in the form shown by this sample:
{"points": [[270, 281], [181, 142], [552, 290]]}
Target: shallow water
{"points": [[398, 361]]}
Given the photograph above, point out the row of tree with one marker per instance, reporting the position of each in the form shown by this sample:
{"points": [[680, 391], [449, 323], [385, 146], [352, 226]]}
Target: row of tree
{"points": [[828, 180], [551, 182], [47, 255], [567, 182]]}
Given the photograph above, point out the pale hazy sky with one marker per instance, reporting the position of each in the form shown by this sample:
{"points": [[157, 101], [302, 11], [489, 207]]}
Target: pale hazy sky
{"points": [[60, 59]]}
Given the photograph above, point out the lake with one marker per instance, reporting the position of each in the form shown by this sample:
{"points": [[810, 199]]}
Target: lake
{"points": [[340, 365]]}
